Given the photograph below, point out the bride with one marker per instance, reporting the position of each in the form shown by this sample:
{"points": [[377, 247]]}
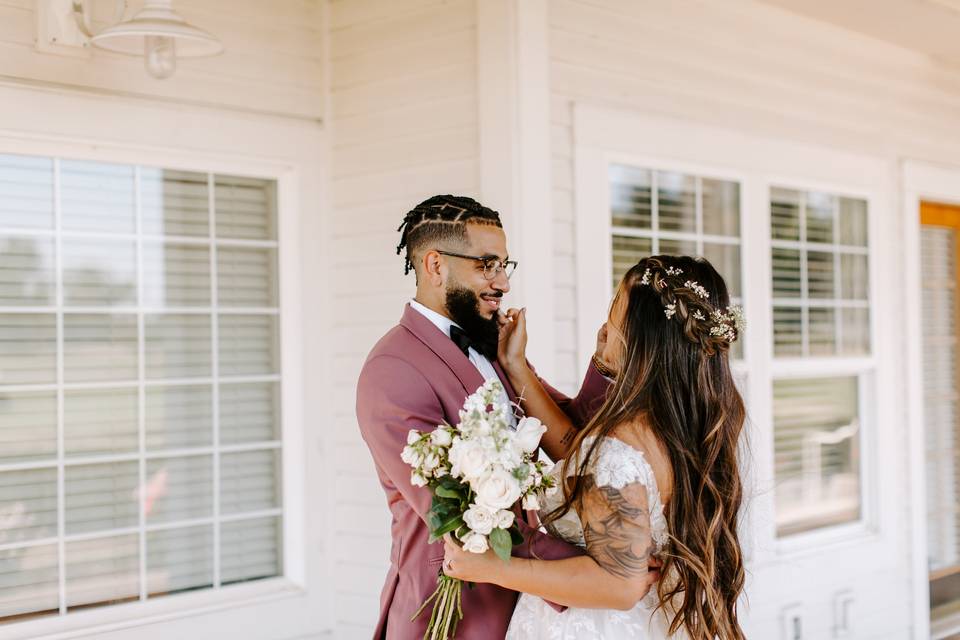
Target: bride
{"points": [[652, 481]]}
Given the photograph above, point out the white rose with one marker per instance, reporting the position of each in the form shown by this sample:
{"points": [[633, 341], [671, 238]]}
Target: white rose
{"points": [[505, 519], [479, 519], [441, 437], [468, 459], [408, 455], [497, 490], [413, 436], [531, 502], [417, 479], [475, 543], [528, 434]]}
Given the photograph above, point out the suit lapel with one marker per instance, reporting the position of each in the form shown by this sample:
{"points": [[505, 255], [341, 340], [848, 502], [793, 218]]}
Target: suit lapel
{"points": [[441, 344]]}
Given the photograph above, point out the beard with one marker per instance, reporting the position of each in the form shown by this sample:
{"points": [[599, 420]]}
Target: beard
{"points": [[463, 305]]}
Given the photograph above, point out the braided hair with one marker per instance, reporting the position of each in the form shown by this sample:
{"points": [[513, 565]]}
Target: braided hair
{"points": [[440, 218]]}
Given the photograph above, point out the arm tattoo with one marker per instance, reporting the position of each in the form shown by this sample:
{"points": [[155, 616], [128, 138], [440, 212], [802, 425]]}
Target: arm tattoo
{"points": [[616, 527], [568, 437]]}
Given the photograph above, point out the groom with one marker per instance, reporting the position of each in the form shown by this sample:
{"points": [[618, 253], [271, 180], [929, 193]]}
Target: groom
{"points": [[418, 376]]}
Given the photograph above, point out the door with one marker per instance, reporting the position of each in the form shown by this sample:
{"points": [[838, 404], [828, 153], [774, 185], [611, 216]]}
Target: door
{"points": [[940, 247]]}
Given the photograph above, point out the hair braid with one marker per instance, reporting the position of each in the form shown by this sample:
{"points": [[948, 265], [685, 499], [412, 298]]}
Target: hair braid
{"points": [[441, 217]]}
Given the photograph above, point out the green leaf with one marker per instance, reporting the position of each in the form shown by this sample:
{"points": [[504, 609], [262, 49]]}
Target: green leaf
{"points": [[444, 492], [516, 536], [501, 543], [446, 527]]}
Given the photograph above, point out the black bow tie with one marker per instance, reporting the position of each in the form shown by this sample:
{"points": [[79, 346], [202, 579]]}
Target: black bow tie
{"points": [[461, 339]]}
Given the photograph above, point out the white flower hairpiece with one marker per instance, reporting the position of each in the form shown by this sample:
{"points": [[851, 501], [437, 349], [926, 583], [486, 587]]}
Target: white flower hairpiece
{"points": [[697, 288], [728, 324]]}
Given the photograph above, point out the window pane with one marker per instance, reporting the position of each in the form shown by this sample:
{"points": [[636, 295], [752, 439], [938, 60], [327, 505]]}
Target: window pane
{"points": [[820, 208], [97, 197], [179, 560], [248, 345], [28, 504], [817, 453], [630, 197], [249, 412], [725, 258], [855, 327], [175, 203], [853, 222], [28, 426], [820, 277], [786, 273], [676, 202], [787, 331], [626, 253], [99, 347], [100, 421], [177, 345], [251, 549], [176, 275], [250, 481], [99, 272], [29, 581], [678, 247], [102, 571], [28, 348], [823, 331], [247, 277], [179, 416], [101, 496], [179, 489], [26, 192], [246, 208], [721, 207], [854, 278], [785, 214], [27, 276]]}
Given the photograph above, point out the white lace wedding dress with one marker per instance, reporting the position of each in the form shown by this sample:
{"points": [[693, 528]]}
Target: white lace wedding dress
{"points": [[616, 464]]}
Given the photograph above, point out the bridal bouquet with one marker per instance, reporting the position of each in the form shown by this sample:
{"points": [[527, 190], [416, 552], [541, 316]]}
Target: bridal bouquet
{"points": [[477, 471]]}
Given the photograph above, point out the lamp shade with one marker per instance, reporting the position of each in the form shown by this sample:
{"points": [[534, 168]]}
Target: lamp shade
{"points": [[157, 18]]}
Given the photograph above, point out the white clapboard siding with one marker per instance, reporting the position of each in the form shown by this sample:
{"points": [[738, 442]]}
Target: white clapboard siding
{"points": [[273, 59], [403, 108], [743, 65]]}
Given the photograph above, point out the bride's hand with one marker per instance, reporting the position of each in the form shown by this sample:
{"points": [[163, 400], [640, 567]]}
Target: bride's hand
{"points": [[512, 347], [467, 566]]}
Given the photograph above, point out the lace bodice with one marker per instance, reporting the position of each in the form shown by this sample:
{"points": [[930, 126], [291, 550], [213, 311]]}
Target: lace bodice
{"points": [[616, 464]]}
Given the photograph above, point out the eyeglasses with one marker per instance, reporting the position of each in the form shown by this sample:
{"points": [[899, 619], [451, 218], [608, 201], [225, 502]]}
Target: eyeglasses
{"points": [[491, 266]]}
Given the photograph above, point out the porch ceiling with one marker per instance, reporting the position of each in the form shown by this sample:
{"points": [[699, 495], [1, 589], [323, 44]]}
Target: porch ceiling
{"points": [[928, 26]]}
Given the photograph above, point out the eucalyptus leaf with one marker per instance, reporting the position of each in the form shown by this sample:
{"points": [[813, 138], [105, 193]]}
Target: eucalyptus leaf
{"points": [[501, 543]]}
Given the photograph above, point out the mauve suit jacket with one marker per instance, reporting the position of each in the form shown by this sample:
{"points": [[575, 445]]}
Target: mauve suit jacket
{"points": [[416, 378]]}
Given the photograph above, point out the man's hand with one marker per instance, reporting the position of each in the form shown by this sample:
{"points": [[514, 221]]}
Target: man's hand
{"points": [[604, 366]]}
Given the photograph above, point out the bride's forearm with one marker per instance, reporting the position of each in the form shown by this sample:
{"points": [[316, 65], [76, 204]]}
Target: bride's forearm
{"points": [[536, 402], [575, 582]]}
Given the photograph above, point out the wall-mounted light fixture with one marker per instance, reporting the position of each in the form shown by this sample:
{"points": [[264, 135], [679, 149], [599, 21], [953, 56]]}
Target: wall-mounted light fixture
{"points": [[156, 32]]}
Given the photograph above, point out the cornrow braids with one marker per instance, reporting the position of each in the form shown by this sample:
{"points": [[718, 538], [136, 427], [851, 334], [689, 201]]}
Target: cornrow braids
{"points": [[439, 218]]}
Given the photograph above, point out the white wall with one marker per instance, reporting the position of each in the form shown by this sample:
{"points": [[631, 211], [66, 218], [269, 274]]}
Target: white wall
{"points": [[403, 115], [273, 61]]}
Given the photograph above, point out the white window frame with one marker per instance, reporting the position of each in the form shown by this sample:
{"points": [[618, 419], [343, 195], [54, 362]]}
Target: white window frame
{"points": [[295, 603], [921, 181], [605, 136]]}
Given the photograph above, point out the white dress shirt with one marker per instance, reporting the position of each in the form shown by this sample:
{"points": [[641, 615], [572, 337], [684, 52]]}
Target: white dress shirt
{"points": [[480, 361]]}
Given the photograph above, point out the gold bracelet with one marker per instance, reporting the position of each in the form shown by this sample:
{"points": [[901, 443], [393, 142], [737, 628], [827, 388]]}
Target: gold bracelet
{"points": [[602, 368]]}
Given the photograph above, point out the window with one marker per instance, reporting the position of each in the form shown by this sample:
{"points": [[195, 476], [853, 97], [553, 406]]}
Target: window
{"points": [[821, 311], [139, 383], [664, 212]]}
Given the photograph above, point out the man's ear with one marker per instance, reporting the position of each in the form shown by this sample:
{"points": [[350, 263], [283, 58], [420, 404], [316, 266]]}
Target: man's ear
{"points": [[433, 269]]}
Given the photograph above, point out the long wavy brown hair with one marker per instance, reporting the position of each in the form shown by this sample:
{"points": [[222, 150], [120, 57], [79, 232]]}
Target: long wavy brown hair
{"points": [[674, 376]]}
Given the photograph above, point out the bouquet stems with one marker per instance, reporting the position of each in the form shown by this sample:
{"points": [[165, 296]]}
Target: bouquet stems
{"points": [[446, 613]]}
